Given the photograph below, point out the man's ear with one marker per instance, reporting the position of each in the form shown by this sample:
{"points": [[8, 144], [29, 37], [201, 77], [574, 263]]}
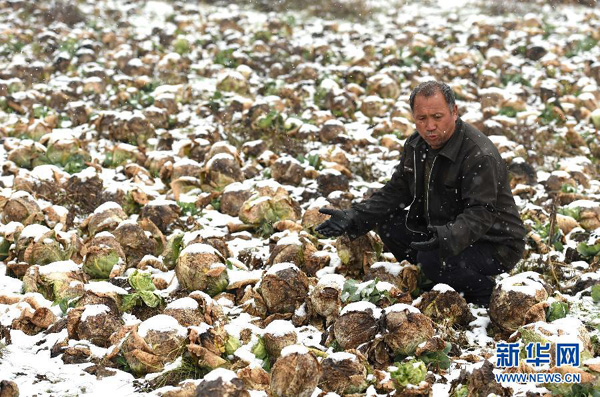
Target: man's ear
{"points": [[455, 112]]}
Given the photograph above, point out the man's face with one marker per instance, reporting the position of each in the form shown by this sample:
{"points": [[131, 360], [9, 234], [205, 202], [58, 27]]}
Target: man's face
{"points": [[434, 120]]}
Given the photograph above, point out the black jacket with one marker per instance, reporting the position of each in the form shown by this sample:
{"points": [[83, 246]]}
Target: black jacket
{"points": [[469, 196]]}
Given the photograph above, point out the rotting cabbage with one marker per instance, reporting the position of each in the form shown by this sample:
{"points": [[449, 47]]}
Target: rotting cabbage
{"points": [[296, 373], [57, 281], [200, 268], [300, 252], [102, 254], [263, 211], [221, 382], [359, 254], [284, 288], [222, 169], [405, 329], [38, 245], [514, 297], [446, 306], [207, 345], [28, 155], [162, 214], [357, 324], [343, 373], [403, 275], [68, 154], [136, 243], [172, 249], [123, 153], [95, 323], [325, 297], [152, 344], [20, 207], [409, 373], [105, 218], [143, 292], [277, 335]]}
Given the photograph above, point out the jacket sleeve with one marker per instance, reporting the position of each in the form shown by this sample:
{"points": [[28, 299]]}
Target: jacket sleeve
{"points": [[479, 186], [393, 196]]}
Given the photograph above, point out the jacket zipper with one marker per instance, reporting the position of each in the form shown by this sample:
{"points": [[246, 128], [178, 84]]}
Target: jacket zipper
{"points": [[415, 190], [442, 260], [427, 192]]}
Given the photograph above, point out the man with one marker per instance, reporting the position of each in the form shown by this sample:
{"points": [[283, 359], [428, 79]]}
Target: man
{"points": [[448, 205]]}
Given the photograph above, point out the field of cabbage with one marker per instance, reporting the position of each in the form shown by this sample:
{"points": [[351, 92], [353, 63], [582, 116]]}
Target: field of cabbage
{"points": [[163, 164]]}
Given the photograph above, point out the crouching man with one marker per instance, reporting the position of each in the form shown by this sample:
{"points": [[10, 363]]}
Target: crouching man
{"points": [[448, 205]]}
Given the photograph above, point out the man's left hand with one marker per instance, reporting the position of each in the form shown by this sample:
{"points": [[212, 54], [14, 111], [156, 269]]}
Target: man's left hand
{"points": [[432, 244]]}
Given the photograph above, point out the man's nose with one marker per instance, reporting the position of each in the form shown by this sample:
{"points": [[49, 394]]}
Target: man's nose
{"points": [[430, 126]]}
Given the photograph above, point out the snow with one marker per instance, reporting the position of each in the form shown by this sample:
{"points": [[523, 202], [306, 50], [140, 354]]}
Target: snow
{"points": [[161, 323], [441, 287], [9, 284], [301, 311], [186, 303], [393, 269], [290, 239], [282, 266], [33, 231], [208, 232], [225, 375], [590, 276], [198, 248], [59, 267], [28, 356], [384, 286], [104, 287], [336, 281], [524, 283], [362, 306], [200, 329], [342, 356], [10, 228], [241, 322], [245, 354], [93, 310], [201, 295], [159, 203], [400, 307], [331, 171], [238, 276], [86, 174], [562, 330], [109, 205], [477, 335], [293, 349], [583, 204], [46, 172], [279, 328], [466, 23]]}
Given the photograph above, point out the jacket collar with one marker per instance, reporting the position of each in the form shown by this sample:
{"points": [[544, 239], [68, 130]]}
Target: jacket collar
{"points": [[452, 147]]}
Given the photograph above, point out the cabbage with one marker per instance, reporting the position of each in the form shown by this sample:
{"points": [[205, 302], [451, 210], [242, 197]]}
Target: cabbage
{"points": [[172, 250], [144, 292], [410, 373], [100, 266], [557, 310]]}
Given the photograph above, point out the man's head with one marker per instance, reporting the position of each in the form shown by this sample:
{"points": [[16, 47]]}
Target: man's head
{"points": [[435, 112]]}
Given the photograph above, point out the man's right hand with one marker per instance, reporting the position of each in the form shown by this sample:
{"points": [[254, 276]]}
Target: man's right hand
{"points": [[338, 224]]}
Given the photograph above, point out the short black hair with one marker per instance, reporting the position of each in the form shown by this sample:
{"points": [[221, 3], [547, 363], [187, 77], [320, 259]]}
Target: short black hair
{"points": [[430, 88]]}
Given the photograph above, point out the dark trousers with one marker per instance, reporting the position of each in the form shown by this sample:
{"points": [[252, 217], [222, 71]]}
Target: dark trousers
{"points": [[467, 272]]}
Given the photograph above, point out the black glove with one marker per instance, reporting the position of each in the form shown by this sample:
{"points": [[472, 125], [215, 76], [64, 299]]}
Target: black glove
{"points": [[335, 226], [432, 244]]}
